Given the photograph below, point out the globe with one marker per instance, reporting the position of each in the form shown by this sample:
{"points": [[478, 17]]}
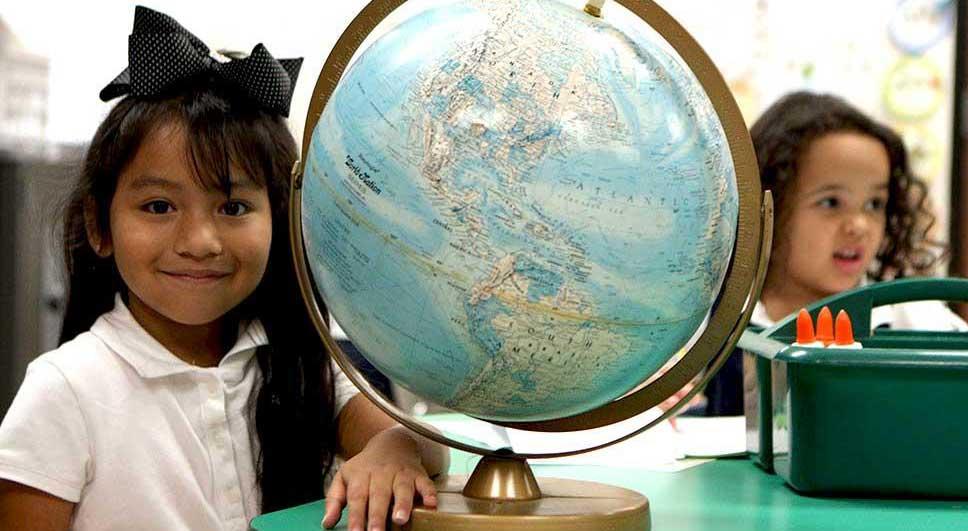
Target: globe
{"points": [[518, 210]]}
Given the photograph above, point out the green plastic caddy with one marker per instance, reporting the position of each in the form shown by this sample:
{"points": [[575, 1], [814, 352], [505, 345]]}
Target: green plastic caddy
{"points": [[887, 420]]}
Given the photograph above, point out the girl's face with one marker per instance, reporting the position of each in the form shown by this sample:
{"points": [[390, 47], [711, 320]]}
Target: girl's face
{"points": [[186, 254], [834, 216]]}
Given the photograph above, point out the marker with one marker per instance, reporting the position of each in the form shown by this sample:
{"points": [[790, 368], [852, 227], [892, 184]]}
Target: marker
{"points": [[844, 336], [805, 337], [825, 326]]}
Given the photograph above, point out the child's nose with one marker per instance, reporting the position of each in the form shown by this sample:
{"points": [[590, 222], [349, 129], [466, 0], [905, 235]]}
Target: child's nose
{"points": [[198, 237], [857, 224]]}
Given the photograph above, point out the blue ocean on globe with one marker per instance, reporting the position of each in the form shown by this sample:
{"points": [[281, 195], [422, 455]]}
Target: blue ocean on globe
{"points": [[517, 210]]}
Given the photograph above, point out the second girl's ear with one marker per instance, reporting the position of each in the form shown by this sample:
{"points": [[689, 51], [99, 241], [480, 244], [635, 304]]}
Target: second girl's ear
{"points": [[99, 239]]}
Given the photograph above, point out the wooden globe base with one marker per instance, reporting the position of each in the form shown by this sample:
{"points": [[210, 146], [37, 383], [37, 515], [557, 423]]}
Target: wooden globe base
{"points": [[563, 505]]}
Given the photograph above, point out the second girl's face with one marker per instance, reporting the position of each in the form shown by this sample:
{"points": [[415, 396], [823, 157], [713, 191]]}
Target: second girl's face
{"points": [[836, 215], [187, 254]]}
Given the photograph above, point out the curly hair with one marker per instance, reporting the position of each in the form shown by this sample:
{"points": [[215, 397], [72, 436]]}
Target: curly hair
{"points": [[782, 135]]}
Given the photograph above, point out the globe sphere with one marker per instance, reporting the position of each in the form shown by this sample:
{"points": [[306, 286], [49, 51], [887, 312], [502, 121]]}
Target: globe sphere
{"points": [[518, 210]]}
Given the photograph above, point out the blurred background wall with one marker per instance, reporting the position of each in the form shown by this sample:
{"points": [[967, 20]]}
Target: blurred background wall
{"points": [[32, 172]]}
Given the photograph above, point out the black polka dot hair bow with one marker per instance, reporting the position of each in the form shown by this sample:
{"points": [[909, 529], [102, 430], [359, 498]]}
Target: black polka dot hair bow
{"points": [[161, 53]]}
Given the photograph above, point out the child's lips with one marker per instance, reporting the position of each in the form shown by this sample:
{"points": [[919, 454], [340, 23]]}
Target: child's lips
{"points": [[196, 276], [849, 260]]}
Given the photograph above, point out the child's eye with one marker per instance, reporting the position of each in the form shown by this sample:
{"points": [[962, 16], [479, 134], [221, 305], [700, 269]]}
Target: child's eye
{"points": [[234, 208], [157, 207], [828, 202], [877, 204]]}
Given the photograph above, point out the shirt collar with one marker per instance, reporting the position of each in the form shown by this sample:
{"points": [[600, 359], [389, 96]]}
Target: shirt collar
{"points": [[760, 318], [128, 339]]}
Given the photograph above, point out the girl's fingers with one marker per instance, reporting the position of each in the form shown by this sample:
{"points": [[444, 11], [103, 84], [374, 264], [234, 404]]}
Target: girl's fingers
{"points": [[356, 498], [379, 501], [403, 486], [367, 498], [426, 489], [335, 499]]}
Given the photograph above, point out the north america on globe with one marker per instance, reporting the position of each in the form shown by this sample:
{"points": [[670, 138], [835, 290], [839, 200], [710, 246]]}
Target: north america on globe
{"points": [[517, 210]]}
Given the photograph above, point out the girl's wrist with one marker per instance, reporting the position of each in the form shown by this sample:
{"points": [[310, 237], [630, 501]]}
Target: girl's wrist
{"points": [[433, 457], [396, 440]]}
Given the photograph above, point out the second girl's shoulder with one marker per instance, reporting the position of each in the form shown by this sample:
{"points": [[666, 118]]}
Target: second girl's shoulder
{"points": [[918, 315]]}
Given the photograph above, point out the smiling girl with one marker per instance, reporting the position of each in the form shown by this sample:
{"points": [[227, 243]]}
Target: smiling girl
{"points": [[190, 390]]}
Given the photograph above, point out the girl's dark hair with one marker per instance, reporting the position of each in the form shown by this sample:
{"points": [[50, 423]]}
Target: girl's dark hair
{"points": [[294, 407], [784, 132]]}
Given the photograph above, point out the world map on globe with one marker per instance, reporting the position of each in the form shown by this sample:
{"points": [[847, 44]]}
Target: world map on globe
{"points": [[517, 210]]}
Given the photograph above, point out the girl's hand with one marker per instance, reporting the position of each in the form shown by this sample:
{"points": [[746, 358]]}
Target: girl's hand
{"points": [[388, 467]]}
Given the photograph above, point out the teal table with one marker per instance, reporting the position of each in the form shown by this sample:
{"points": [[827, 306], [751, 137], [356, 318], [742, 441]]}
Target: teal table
{"points": [[726, 494]]}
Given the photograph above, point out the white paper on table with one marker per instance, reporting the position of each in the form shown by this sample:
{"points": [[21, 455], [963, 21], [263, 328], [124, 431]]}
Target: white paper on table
{"points": [[660, 448], [482, 433], [712, 436]]}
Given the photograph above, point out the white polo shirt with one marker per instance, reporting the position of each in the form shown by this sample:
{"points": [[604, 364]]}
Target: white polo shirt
{"points": [[138, 438]]}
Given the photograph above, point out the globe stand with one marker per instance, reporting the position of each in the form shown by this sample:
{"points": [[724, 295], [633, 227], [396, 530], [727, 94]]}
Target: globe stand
{"points": [[502, 493], [502, 477]]}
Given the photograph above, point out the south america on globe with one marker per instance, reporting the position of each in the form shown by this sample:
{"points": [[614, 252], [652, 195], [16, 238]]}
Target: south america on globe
{"points": [[518, 210]]}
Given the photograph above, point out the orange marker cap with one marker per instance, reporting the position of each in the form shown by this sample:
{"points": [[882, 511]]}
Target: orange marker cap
{"points": [[805, 327], [825, 326], [845, 331]]}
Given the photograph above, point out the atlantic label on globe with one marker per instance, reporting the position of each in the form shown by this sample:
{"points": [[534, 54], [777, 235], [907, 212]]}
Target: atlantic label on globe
{"points": [[518, 210]]}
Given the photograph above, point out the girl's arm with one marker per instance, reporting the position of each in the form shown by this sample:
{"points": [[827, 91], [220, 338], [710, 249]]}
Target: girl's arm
{"points": [[360, 420], [385, 460], [23, 507]]}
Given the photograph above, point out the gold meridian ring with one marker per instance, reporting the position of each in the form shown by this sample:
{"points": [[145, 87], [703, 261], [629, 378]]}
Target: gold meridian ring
{"points": [[728, 317]]}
